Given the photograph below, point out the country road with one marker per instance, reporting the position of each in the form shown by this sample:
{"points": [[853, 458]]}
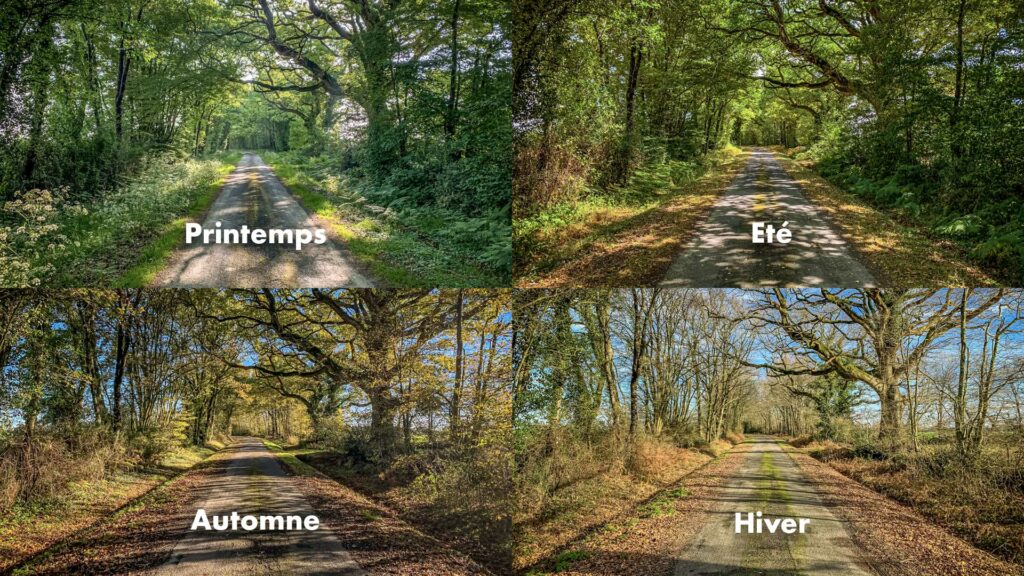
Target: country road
{"points": [[253, 196], [254, 482], [721, 253], [768, 480]]}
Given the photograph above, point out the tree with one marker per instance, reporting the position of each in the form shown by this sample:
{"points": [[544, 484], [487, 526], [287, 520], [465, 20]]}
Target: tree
{"points": [[860, 335]]}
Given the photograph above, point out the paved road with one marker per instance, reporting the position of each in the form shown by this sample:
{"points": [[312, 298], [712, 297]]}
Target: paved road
{"points": [[253, 196], [721, 253], [768, 480], [254, 482]]}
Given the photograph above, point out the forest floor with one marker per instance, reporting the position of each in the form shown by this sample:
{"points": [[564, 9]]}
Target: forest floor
{"points": [[595, 505], [626, 238], [721, 253], [254, 196], [983, 505], [29, 529], [152, 536], [852, 530], [474, 525]]}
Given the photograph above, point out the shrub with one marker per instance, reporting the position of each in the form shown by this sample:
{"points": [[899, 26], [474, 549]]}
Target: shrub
{"points": [[31, 237], [46, 467], [734, 438], [152, 442], [651, 457], [801, 441]]}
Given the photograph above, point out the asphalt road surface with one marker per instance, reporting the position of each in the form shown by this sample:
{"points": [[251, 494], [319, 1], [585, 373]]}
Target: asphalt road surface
{"points": [[769, 481], [255, 483], [721, 253], [253, 196]]}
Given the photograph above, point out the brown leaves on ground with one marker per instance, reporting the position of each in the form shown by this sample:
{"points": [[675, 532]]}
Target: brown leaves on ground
{"points": [[476, 525], [896, 540], [376, 538], [898, 254], [138, 537], [21, 537], [597, 496], [143, 535], [623, 247], [646, 539]]}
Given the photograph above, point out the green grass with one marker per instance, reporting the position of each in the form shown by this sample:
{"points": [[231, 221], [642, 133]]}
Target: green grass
{"points": [[371, 515], [184, 458], [155, 255], [663, 504], [565, 559], [291, 460], [123, 237], [401, 251]]}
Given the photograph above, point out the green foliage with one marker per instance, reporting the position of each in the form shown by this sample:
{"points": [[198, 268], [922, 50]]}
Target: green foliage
{"points": [[404, 243], [155, 440], [72, 244], [109, 94]]}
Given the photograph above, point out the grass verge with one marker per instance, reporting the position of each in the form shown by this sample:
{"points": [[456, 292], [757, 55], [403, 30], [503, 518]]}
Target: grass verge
{"points": [[397, 253], [899, 254], [28, 531], [121, 237], [155, 255], [605, 507], [625, 238], [291, 459]]}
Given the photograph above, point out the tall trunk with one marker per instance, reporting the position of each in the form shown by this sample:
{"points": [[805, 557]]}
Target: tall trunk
{"points": [[123, 62], [956, 146], [382, 418], [641, 317], [40, 100], [453, 77], [455, 415], [626, 154], [889, 427], [90, 55], [121, 346], [960, 404]]}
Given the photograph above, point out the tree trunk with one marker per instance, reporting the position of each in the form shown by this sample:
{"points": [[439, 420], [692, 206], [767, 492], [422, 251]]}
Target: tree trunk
{"points": [[956, 145], [453, 78], [382, 429], [455, 414], [960, 403], [889, 427]]}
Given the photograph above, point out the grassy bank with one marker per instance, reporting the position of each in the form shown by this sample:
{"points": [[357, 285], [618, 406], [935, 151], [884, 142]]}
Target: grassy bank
{"points": [[900, 250], [402, 247], [155, 255], [121, 239], [623, 237], [598, 493], [28, 529]]}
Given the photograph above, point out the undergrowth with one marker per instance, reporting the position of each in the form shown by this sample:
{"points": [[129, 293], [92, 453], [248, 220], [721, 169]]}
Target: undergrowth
{"points": [[122, 238], [946, 207], [402, 243]]}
